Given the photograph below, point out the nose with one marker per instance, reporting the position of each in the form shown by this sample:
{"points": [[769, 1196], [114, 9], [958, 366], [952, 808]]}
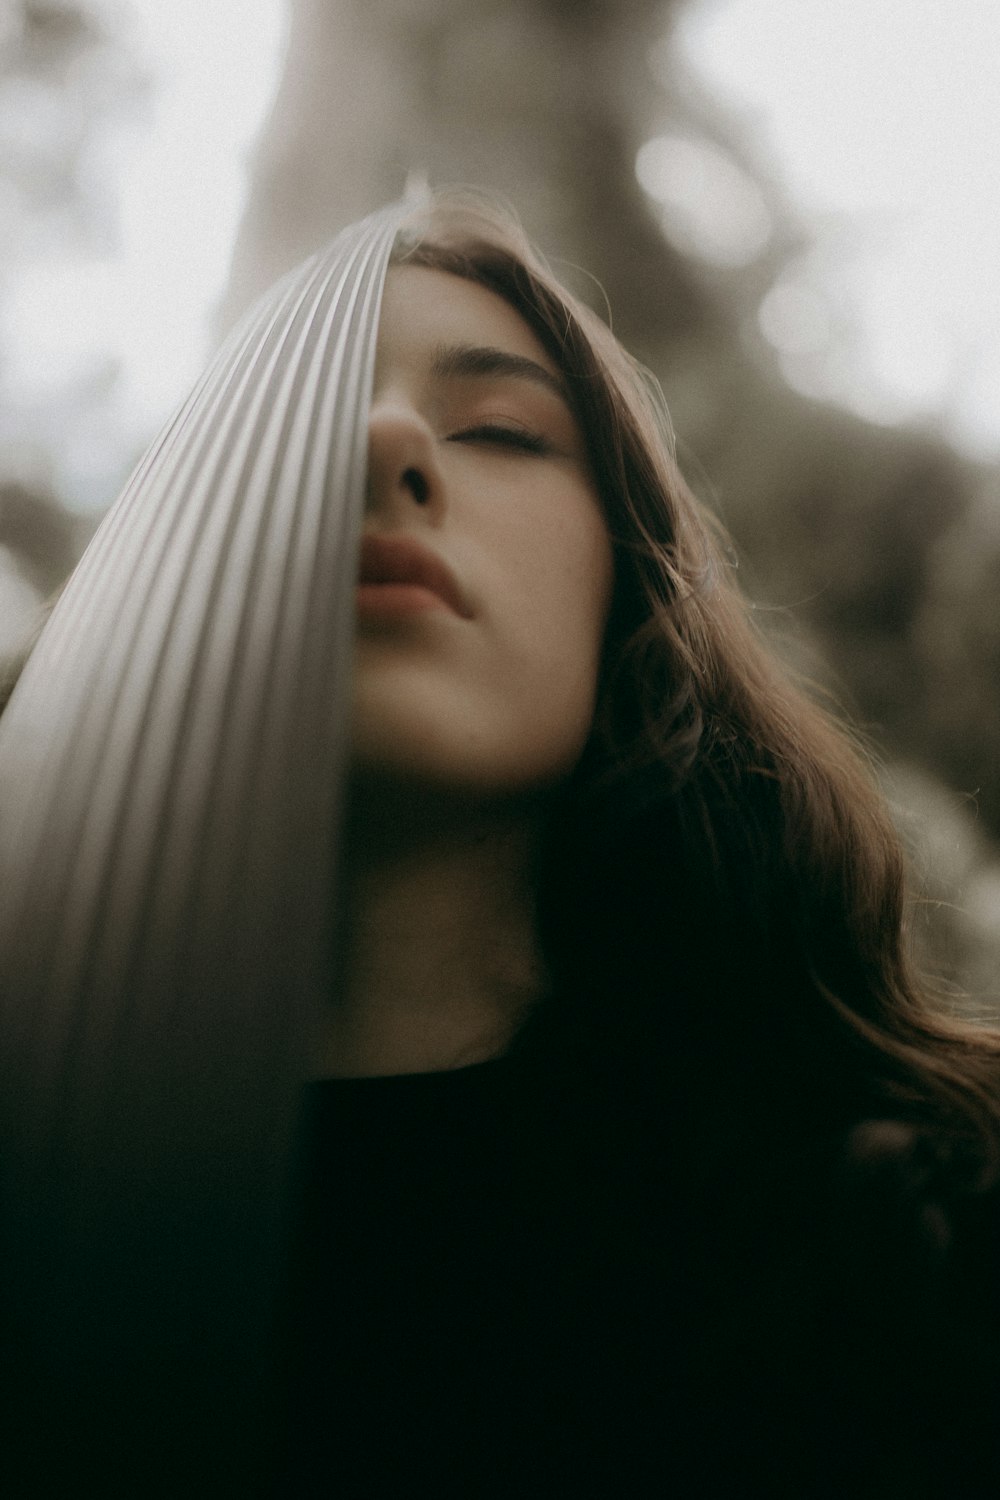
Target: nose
{"points": [[403, 469]]}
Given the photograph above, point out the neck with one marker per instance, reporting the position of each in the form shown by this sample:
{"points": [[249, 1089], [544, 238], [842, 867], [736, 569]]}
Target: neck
{"points": [[440, 959]]}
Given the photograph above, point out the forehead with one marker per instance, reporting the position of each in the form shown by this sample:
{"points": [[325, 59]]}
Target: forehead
{"points": [[424, 309]]}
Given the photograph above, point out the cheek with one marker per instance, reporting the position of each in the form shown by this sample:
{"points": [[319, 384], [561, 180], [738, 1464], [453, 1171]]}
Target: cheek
{"points": [[563, 581], [504, 702], [552, 626]]}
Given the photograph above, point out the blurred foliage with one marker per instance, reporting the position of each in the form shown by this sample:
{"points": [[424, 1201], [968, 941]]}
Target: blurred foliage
{"points": [[63, 72], [873, 553], [43, 539], [70, 86]]}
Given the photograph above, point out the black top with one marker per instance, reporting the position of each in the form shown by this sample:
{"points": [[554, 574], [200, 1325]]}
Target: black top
{"points": [[493, 1312]]}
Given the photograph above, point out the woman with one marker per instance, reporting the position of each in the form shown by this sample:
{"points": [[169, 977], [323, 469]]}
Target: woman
{"points": [[644, 1162]]}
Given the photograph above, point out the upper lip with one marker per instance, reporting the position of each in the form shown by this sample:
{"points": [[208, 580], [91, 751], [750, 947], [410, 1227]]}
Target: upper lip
{"points": [[397, 559]]}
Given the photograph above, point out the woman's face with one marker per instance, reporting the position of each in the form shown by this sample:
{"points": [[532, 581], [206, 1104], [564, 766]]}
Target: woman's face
{"points": [[486, 567]]}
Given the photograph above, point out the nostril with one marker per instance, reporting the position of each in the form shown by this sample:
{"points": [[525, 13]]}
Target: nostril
{"points": [[417, 485]]}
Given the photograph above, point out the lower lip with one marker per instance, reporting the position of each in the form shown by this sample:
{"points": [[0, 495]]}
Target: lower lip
{"points": [[381, 599]]}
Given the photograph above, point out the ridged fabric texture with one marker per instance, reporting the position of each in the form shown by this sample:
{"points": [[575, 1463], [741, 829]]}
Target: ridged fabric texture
{"points": [[170, 774]]}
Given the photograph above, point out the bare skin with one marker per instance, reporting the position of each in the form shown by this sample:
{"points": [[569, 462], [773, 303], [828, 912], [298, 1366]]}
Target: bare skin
{"points": [[440, 953], [468, 714]]}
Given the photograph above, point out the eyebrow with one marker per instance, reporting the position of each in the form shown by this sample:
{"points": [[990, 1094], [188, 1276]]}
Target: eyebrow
{"points": [[480, 360]]}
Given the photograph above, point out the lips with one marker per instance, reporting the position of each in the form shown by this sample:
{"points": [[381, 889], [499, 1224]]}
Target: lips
{"points": [[399, 560]]}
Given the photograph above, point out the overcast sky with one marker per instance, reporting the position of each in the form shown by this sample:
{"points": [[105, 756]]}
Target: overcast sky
{"points": [[882, 131], [881, 118]]}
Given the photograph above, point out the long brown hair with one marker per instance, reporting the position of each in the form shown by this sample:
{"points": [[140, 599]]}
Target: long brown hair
{"points": [[723, 882]]}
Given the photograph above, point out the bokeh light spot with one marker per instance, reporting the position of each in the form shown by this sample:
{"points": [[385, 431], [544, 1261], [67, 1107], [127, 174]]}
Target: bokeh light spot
{"points": [[710, 207]]}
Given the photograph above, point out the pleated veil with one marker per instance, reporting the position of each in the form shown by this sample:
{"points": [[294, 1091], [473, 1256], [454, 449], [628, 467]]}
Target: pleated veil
{"points": [[171, 766]]}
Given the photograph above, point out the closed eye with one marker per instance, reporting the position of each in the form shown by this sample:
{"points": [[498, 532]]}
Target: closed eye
{"points": [[504, 437]]}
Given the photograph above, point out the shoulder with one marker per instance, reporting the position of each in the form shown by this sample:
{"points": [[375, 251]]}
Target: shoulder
{"points": [[893, 1188], [906, 1190], [913, 1270], [908, 1225]]}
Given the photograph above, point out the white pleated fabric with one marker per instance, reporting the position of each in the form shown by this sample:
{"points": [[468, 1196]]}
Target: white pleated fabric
{"points": [[170, 773]]}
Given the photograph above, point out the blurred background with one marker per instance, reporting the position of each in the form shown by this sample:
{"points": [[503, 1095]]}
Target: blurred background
{"points": [[793, 207]]}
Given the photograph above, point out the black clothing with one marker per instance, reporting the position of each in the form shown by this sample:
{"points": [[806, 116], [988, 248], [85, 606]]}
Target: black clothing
{"points": [[488, 1312]]}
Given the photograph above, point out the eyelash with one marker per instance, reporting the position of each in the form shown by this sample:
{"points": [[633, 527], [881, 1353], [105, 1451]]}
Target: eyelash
{"points": [[505, 437]]}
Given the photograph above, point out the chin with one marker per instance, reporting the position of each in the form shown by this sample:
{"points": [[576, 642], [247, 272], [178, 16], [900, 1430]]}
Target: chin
{"points": [[479, 781], [442, 745]]}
